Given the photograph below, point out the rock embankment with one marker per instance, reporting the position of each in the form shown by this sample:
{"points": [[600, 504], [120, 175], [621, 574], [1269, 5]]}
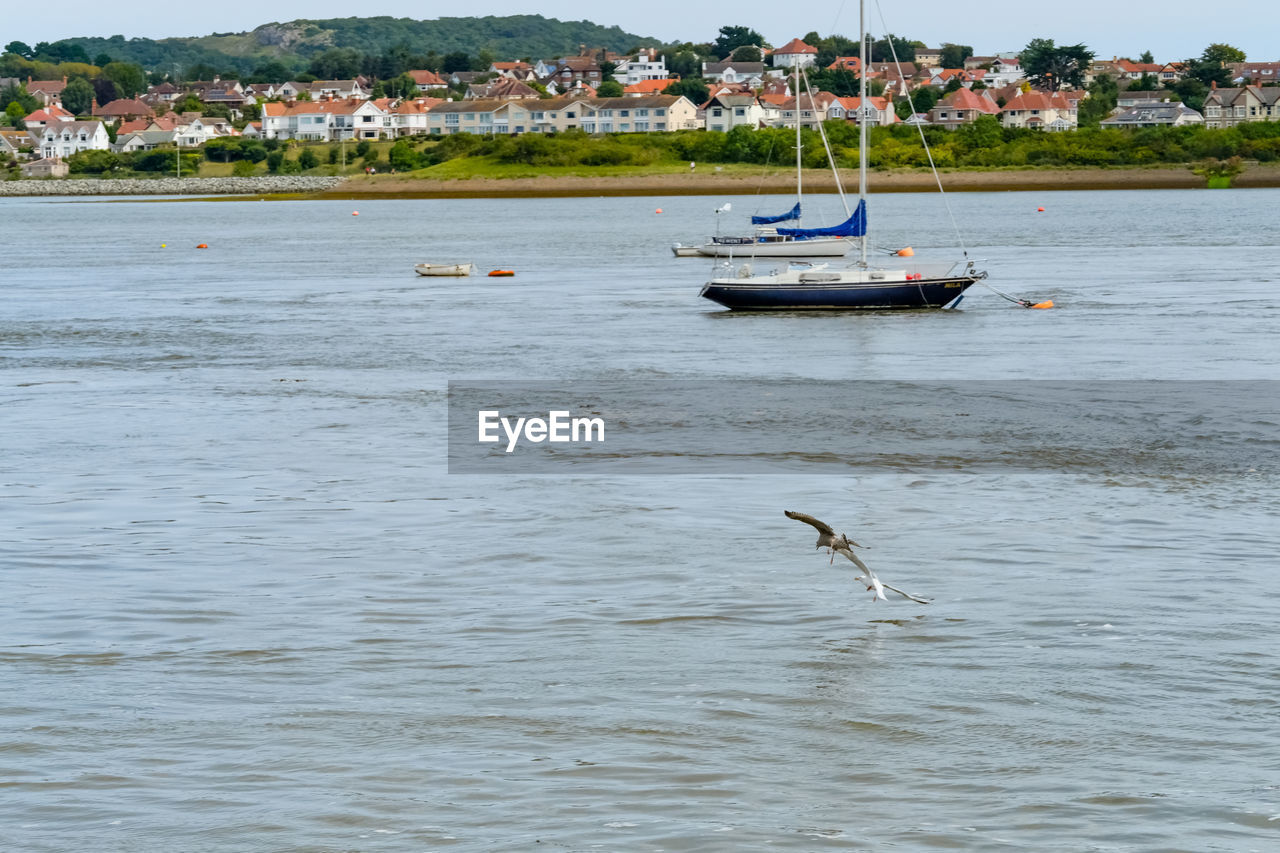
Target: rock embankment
{"points": [[266, 184]]}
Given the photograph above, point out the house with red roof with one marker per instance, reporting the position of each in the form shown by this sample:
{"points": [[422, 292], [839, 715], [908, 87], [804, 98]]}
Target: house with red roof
{"points": [[962, 107], [324, 120], [649, 87], [852, 64], [793, 53], [122, 109], [42, 118], [1039, 111], [46, 91], [877, 111], [425, 79]]}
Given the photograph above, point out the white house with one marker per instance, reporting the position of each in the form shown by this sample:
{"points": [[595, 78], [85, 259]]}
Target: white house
{"points": [[1039, 111], [62, 140], [793, 53], [648, 65], [325, 120], [1004, 72], [727, 111], [750, 73]]}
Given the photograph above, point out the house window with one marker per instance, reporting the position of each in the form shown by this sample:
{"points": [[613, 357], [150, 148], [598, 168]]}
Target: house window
{"points": [[660, 112], [738, 111], [624, 113], [451, 118], [715, 113]]}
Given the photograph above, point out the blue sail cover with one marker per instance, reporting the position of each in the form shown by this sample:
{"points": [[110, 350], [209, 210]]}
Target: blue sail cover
{"points": [[793, 213], [854, 226]]}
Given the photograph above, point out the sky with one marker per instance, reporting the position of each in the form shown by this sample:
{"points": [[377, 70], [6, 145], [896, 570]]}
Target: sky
{"points": [[1172, 30]]}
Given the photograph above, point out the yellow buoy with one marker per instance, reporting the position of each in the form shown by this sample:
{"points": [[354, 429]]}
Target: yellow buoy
{"points": [[163, 246]]}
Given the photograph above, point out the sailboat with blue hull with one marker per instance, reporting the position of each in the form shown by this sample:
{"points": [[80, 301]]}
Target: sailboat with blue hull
{"points": [[857, 286]]}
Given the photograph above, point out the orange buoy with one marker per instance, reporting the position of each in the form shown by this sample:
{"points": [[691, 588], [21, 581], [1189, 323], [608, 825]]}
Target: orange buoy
{"points": [[1048, 303], [203, 246], [355, 213], [1039, 210], [501, 272], [906, 252], [659, 210]]}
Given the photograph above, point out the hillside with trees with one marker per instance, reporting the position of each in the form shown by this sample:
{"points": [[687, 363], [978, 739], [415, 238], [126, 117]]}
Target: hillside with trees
{"points": [[296, 43]]}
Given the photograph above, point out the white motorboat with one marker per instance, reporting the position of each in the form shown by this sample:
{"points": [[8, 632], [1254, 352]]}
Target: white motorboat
{"points": [[444, 269]]}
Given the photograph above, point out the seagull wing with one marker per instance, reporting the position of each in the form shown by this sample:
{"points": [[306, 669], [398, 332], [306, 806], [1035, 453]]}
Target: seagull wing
{"points": [[822, 526], [904, 594], [853, 558]]}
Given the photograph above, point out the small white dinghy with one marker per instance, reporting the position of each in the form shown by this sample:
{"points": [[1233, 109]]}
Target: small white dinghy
{"points": [[444, 269]]}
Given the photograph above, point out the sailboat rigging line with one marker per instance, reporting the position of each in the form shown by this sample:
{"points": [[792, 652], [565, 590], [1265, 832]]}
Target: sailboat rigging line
{"points": [[919, 127], [813, 102], [1025, 303]]}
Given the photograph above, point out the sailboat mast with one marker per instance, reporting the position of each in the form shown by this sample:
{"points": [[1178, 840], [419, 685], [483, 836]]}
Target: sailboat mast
{"points": [[799, 190], [862, 118]]}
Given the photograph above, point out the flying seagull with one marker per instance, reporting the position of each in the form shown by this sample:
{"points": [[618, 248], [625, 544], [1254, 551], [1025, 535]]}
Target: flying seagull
{"points": [[838, 543]]}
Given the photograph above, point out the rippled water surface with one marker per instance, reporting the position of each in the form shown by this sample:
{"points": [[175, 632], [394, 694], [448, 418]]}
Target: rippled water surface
{"points": [[247, 608]]}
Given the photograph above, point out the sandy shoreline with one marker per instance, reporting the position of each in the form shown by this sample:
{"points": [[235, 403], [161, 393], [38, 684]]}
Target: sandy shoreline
{"points": [[711, 183]]}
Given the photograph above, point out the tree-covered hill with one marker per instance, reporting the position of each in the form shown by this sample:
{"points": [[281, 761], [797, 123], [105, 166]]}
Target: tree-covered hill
{"points": [[296, 42]]}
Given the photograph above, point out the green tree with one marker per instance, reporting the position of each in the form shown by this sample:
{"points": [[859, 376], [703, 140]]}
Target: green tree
{"points": [[1103, 93], [747, 53], [692, 88], [1145, 83], [77, 96], [27, 103], [336, 63], [93, 162], [733, 37], [456, 61], [922, 99], [271, 71], [308, 159], [683, 63], [1051, 68], [129, 78], [954, 55], [1191, 91], [403, 158], [243, 169], [982, 133], [609, 89], [1211, 66], [1222, 54], [274, 160], [885, 49], [13, 115], [1146, 57], [188, 104], [19, 48], [102, 60]]}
